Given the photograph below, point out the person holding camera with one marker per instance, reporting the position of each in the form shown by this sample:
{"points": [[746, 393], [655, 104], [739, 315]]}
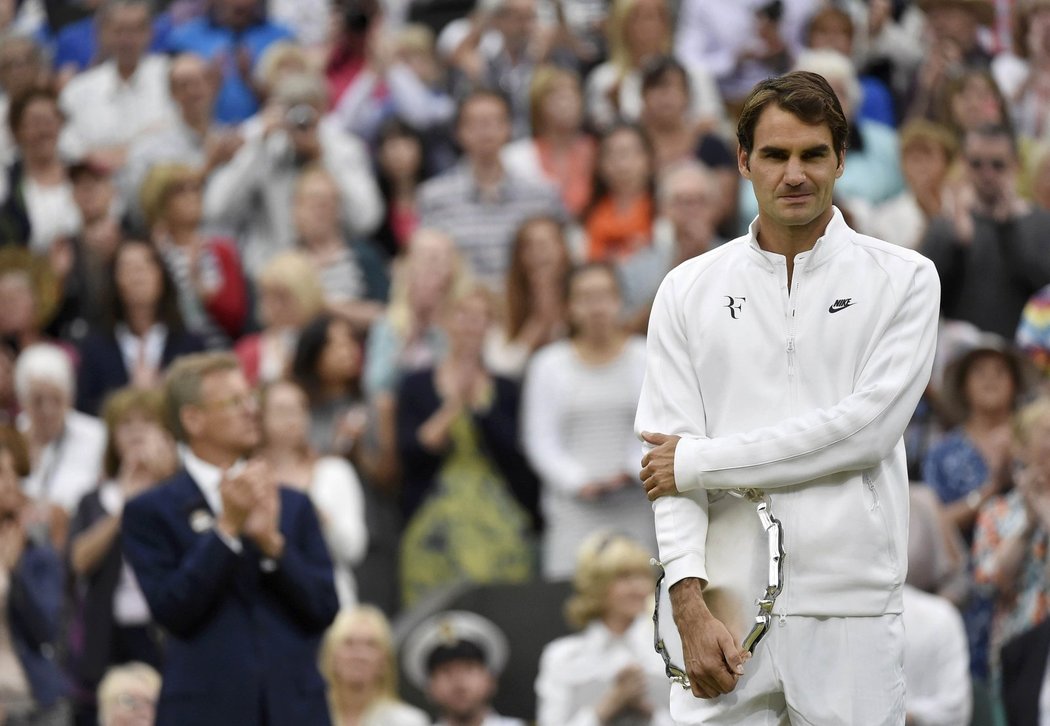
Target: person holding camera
{"points": [[253, 193]]}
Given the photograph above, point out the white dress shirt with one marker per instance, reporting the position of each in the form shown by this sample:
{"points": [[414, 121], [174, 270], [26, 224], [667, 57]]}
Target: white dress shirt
{"points": [[208, 478], [576, 672], [102, 109], [69, 467]]}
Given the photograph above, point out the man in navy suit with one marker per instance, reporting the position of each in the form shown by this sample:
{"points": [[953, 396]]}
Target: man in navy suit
{"points": [[233, 567]]}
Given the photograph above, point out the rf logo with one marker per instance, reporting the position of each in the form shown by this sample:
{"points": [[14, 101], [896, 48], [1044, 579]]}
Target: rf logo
{"points": [[735, 305]]}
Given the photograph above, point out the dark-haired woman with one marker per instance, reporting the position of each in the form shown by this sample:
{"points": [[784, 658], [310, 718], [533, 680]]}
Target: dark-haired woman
{"points": [[145, 331]]}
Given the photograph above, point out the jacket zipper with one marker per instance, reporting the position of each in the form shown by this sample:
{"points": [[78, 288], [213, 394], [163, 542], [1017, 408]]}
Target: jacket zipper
{"points": [[874, 493]]}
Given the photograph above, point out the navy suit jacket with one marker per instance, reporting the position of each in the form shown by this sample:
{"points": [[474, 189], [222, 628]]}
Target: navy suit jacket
{"points": [[243, 642]]}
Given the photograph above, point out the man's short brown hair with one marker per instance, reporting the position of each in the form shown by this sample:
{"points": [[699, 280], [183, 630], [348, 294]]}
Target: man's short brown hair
{"points": [[182, 385], [805, 95]]}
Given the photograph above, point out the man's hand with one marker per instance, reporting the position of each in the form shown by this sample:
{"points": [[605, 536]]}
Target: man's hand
{"points": [[239, 497], [713, 660], [657, 472], [263, 523]]}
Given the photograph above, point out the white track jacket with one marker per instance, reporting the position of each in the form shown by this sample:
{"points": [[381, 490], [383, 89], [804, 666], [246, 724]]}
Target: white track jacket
{"points": [[805, 396]]}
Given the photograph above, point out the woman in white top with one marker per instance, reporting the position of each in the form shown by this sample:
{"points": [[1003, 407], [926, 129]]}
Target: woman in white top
{"points": [[357, 661], [608, 673], [639, 30], [578, 405], [36, 196], [330, 481]]}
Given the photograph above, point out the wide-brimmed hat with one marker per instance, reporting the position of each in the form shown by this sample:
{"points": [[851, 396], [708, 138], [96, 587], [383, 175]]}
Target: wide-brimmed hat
{"points": [[983, 10], [47, 293], [449, 636], [953, 393]]}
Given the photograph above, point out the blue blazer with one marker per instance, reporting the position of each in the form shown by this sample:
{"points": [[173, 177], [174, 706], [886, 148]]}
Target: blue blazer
{"points": [[34, 614], [242, 646]]}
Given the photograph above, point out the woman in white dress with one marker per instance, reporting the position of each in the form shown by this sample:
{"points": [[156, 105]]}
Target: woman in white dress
{"points": [[608, 673], [357, 661], [330, 481], [578, 410]]}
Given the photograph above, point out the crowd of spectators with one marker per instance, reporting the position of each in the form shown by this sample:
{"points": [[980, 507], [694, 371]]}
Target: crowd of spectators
{"points": [[431, 233]]}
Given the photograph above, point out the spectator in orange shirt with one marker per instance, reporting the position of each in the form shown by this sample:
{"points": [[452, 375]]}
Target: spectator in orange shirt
{"points": [[619, 219]]}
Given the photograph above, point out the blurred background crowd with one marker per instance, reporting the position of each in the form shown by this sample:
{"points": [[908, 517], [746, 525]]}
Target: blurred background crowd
{"points": [[431, 232]]}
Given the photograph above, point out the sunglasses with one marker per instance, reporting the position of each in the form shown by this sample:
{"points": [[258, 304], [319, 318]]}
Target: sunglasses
{"points": [[977, 163]]}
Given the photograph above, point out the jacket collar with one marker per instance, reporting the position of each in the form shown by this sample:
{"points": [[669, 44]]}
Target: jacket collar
{"points": [[834, 239]]}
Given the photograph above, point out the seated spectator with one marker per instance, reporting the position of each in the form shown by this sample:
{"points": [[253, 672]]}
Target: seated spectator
{"points": [[401, 167], [358, 663], [465, 479], [111, 621], [665, 99], [22, 67], [619, 218], [558, 150], [253, 193], [1021, 74], [399, 77], [988, 244], [456, 658], [833, 28], [353, 274], [578, 410], [86, 283], [29, 297], [928, 151], [65, 446], [133, 82], [128, 695], [1011, 535], [189, 136], [233, 34], [535, 312], [479, 203], [408, 337], [31, 588], [206, 269], [330, 481], [609, 671], [637, 31], [36, 198], [936, 656], [289, 297], [500, 46], [687, 196], [144, 331], [327, 365]]}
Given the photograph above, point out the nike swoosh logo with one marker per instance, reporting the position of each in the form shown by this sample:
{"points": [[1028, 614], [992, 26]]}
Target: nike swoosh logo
{"points": [[836, 307]]}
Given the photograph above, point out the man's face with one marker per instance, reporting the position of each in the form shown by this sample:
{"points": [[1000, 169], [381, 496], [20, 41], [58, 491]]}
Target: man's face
{"points": [[690, 200], [128, 31], [792, 167], [192, 87], [992, 167], [484, 127], [462, 689], [227, 415]]}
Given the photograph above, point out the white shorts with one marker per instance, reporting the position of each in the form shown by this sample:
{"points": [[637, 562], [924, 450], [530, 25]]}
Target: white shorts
{"points": [[812, 672]]}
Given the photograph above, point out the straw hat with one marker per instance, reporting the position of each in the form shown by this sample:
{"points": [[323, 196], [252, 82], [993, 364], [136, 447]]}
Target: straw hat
{"points": [[954, 389]]}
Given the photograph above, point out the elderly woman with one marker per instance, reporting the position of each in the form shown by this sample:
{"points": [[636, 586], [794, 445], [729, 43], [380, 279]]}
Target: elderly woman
{"points": [[358, 662], [31, 587], [608, 672], [330, 481], [289, 293], [206, 269], [128, 695], [65, 446], [1010, 545], [112, 622]]}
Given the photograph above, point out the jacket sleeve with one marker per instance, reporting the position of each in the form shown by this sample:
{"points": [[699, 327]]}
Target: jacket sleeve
{"points": [[230, 189], [36, 594], [346, 159], [337, 492], [303, 579], [554, 698], [182, 589], [671, 403], [856, 433]]}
